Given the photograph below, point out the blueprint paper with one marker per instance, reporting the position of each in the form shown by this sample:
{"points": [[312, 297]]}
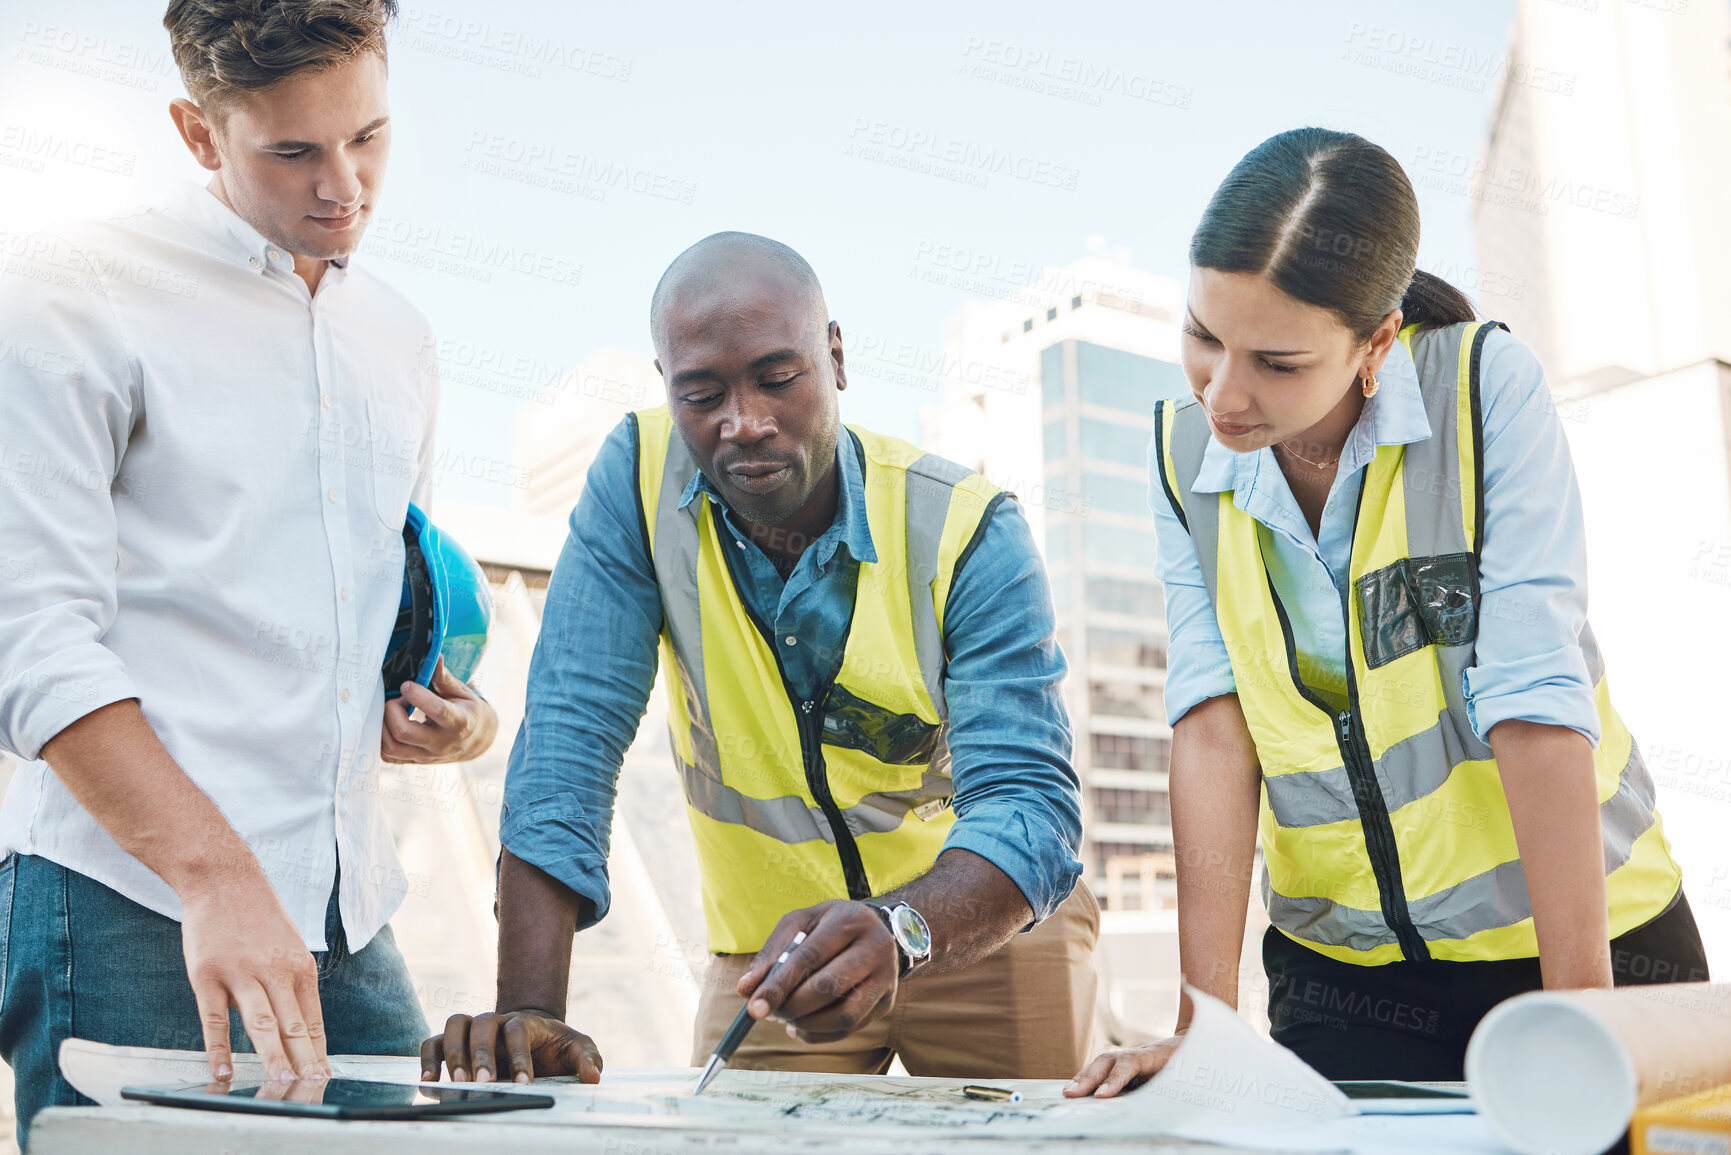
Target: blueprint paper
{"points": [[1224, 1073]]}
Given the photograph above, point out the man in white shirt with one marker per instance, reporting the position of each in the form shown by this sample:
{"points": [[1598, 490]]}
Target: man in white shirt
{"points": [[207, 449]]}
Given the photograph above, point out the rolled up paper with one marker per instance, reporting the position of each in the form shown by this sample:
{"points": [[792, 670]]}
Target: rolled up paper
{"points": [[1562, 1073]]}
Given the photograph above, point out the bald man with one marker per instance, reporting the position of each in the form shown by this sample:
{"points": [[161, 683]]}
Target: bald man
{"points": [[864, 711]]}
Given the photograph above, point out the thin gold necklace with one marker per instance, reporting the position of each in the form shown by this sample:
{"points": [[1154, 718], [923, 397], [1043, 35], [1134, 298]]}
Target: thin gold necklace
{"points": [[1308, 461]]}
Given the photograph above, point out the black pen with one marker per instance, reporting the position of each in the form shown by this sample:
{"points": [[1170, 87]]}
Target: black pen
{"points": [[742, 1024]]}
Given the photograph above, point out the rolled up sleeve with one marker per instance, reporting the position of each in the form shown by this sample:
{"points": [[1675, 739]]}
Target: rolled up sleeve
{"points": [[589, 683], [1197, 665], [1533, 566], [1018, 802], [68, 402]]}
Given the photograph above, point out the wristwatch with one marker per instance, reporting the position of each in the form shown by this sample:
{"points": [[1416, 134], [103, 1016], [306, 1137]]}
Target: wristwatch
{"points": [[912, 936]]}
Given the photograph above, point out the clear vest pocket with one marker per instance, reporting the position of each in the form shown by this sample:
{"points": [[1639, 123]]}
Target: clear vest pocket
{"points": [[853, 723], [1418, 602]]}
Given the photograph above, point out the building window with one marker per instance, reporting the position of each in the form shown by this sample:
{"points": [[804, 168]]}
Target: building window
{"points": [[1052, 375], [1052, 313], [1028, 325], [1075, 302], [1117, 494], [1110, 441], [1111, 596], [1123, 647], [1124, 700], [1132, 807], [1052, 435], [1123, 752], [1124, 380]]}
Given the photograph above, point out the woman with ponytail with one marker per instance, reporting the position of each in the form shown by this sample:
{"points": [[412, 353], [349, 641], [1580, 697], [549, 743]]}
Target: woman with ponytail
{"points": [[1380, 665]]}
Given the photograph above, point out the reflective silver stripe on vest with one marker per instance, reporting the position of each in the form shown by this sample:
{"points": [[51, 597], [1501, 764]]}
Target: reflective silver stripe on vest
{"points": [[675, 562], [1408, 772], [1496, 898], [789, 819], [675, 557], [930, 482], [1190, 438]]}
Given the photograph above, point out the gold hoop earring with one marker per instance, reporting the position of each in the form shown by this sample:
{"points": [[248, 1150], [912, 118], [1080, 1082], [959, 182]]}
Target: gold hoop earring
{"points": [[1371, 386]]}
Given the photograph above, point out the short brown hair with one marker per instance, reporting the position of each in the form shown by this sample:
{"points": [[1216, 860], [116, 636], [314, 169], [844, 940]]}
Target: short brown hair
{"points": [[225, 47]]}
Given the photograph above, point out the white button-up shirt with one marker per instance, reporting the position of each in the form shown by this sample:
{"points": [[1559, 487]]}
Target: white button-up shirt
{"points": [[204, 472]]}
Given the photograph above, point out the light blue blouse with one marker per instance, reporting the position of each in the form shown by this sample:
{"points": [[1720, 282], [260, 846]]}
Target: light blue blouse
{"points": [[1533, 569]]}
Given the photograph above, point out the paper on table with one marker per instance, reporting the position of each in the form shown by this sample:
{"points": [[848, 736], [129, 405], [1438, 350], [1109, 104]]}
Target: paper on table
{"points": [[1556, 1072], [1224, 1073]]}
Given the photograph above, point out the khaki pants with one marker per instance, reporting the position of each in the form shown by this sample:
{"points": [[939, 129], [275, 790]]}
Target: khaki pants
{"points": [[1023, 1012]]}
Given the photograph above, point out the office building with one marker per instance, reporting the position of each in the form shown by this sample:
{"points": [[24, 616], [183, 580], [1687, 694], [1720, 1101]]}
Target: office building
{"points": [[1050, 392], [1605, 205]]}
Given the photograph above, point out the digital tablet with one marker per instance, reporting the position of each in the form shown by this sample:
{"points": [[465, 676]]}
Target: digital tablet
{"points": [[338, 1099], [1391, 1097]]}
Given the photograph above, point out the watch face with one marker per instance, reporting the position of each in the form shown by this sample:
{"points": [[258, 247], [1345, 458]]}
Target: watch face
{"points": [[911, 930]]}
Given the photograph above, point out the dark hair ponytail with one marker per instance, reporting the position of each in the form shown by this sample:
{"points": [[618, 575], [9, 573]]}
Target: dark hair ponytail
{"points": [[1430, 300], [1331, 219]]}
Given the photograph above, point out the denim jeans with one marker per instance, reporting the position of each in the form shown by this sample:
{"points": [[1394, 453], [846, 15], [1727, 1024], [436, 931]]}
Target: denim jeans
{"points": [[80, 961]]}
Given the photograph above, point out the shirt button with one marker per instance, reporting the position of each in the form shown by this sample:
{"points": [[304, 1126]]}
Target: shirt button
{"points": [[255, 262], [326, 400], [273, 254], [344, 593], [739, 543], [331, 493], [791, 640], [345, 695]]}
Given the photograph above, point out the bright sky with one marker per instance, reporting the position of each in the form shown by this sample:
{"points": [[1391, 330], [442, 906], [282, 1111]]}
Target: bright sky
{"points": [[589, 144]]}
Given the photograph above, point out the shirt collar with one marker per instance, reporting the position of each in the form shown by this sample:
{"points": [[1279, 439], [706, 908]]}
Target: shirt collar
{"points": [[1395, 416], [231, 235], [850, 528]]}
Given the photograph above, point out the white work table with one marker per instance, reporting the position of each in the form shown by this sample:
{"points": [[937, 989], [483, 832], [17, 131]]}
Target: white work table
{"points": [[652, 1112]]}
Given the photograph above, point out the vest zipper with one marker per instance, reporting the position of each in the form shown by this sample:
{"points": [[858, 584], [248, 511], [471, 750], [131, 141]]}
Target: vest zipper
{"points": [[808, 717], [817, 780], [1379, 844], [1379, 841]]}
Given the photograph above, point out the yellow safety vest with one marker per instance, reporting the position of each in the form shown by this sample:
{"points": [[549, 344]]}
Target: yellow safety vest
{"points": [[845, 794], [1384, 829]]}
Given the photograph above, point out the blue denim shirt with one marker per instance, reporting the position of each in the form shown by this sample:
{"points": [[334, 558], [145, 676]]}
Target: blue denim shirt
{"points": [[1533, 569], [1017, 802]]}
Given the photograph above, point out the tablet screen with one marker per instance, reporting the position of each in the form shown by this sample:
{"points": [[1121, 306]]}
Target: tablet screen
{"points": [[337, 1098], [1367, 1089]]}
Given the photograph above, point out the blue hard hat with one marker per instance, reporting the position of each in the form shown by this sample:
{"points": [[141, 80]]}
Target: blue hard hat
{"points": [[445, 609]]}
